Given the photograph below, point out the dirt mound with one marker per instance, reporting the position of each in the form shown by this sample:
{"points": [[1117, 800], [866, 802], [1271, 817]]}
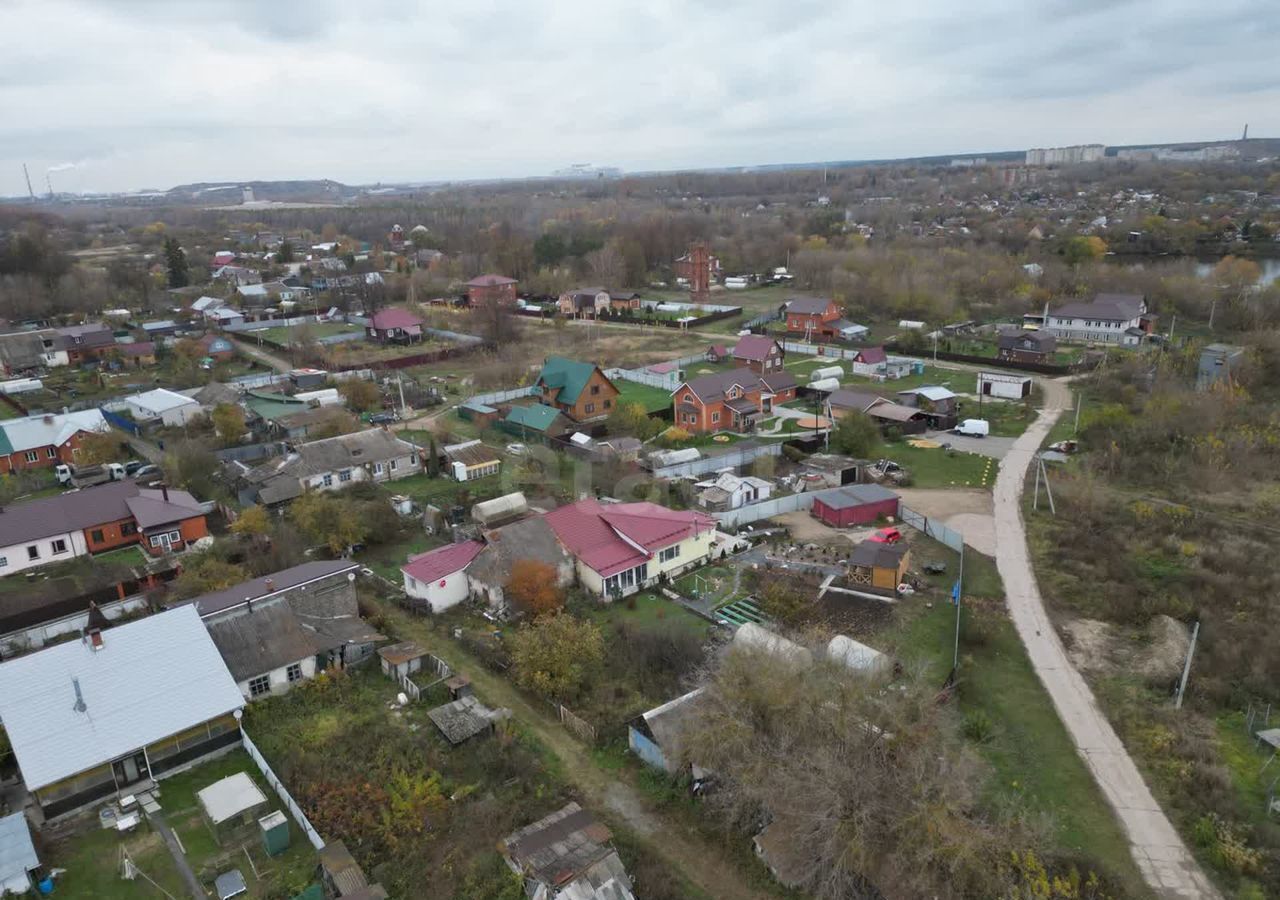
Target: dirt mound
{"points": [[1156, 653]]}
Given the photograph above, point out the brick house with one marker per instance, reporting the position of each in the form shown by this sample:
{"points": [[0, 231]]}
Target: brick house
{"points": [[730, 401], [38, 442], [1027, 347], [394, 326], [820, 319], [759, 353], [487, 289], [579, 390], [86, 342], [584, 303]]}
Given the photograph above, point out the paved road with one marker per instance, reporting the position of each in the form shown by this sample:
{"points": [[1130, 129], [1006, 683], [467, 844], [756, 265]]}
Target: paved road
{"points": [[992, 446], [1160, 853]]}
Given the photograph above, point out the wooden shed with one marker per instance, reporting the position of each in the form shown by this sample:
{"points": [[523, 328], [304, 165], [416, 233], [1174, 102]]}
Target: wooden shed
{"points": [[878, 566], [855, 504], [399, 660]]}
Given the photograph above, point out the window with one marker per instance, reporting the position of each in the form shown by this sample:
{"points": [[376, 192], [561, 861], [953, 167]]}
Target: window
{"points": [[669, 553], [97, 536], [52, 452], [393, 465], [608, 403], [33, 552], [260, 685], [591, 407], [32, 456], [344, 475], [128, 528], [379, 468], [715, 417], [59, 546], [328, 479], [294, 672], [4, 562], [595, 390]]}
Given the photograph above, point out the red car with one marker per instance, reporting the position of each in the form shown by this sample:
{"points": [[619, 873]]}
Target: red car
{"points": [[888, 535]]}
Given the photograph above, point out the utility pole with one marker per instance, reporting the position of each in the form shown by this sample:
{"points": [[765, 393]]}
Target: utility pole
{"points": [[1172, 325], [1213, 306], [1186, 667], [959, 593], [28, 177], [1079, 403]]}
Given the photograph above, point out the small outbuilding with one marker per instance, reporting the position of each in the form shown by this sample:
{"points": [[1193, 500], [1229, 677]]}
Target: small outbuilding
{"points": [[231, 801], [465, 718], [18, 858], [854, 504], [879, 566], [402, 659], [1004, 385]]}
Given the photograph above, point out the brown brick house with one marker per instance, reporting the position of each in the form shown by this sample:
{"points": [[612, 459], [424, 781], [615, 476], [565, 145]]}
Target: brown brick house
{"points": [[819, 319], [735, 400], [488, 289], [579, 390], [759, 353], [1028, 347]]}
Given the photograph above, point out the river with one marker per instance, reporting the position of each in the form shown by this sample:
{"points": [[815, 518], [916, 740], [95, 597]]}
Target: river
{"points": [[1270, 270]]}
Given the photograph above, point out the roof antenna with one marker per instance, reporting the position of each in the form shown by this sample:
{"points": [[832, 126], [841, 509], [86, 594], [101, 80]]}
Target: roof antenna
{"points": [[80, 704]]}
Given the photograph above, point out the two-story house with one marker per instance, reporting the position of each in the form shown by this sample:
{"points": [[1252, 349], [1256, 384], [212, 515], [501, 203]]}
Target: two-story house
{"points": [[95, 520], [621, 548], [1022, 346], [394, 326], [330, 464], [735, 400], [759, 353], [579, 390], [485, 290], [1119, 319], [86, 342], [36, 442], [584, 303], [815, 318]]}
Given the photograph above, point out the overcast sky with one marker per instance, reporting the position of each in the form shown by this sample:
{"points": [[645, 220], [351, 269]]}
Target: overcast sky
{"points": [[129, 94]]}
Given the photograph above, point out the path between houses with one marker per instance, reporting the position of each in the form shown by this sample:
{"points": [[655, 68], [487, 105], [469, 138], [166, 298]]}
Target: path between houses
{"points": [[262, 356], [1159, 851], [179, 858], [608, 793]]}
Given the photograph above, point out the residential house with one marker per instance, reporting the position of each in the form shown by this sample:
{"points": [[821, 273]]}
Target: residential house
{"points": [[237, 275], [438, 577], [224, 316], [876, 565], [898, 417], [88, 342], [657, 735], [869, 361], [322, 597], [619, 300], [217, 347], [532, 538], [161, 328], [759, 353], [491, 289], [331, 464], [109, 714], [1218, 364], [735, 400], [204, 304], [718, 353], [162, 405], [23, 351], [137, 354], [265, 648], [579, 390], [1037, 347], [819, 319], [625, 547], [216, 393], [856, 504], [939, 404], [1119, 319], [394, 326], [95, 520], [566, 856], [471, 460], [536, 421], [584, 303], [730, 491], [683, 268], [842, 401], [36, 442]]}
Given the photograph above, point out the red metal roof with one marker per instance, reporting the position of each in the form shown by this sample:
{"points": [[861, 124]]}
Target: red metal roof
{"points": [[442, 561], [615, 537], [394, 318], [872, 356], [755, 347], [490, 281]]}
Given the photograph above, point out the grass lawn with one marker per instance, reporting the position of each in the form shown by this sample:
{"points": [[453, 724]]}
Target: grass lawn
{"points": [[386, 559], [711, 582], [92, 861], [1033, 763], [284, 334], [441, 490], [1005, 419], [651, 398], [959, 382], [651, 612], [942, 468]]}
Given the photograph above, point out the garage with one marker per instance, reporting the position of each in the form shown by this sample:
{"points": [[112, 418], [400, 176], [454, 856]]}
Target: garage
{"points": [[856, 504]]}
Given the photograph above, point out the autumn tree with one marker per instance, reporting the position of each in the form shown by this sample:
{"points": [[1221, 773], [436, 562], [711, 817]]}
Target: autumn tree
{"points": [[191, 465], [1084, 248], [285, 254], [630, 419], [361, 395], [176, 262], [533, 588], [556, 655], [857, 435], [229, 423], [253, 522], [332, 422], [204, 572], [327, 520], [101, 447]]}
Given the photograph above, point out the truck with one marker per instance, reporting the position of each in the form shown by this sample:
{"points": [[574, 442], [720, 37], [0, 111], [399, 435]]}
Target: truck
{"points": [[973, 428], [71, 475]]}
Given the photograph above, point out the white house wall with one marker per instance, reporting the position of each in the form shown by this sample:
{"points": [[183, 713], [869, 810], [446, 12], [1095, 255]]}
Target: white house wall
{"points": [[280, 683], [15, 556], [441, 594]]}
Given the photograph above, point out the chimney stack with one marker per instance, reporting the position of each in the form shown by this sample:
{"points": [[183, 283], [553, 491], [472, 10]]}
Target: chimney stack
{"points": [[164, 491], [80, 705]]}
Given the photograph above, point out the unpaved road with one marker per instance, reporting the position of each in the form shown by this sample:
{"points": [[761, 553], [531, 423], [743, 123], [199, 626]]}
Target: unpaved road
{"points": [[1159, 851], [611, 795], [967, 511]]}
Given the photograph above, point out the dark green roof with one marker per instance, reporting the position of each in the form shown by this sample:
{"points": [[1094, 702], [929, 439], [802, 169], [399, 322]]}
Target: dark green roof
{"points": [[569, 375], [536, 417]]}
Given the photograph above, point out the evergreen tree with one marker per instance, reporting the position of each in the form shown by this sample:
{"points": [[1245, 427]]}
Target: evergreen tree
{"points": [[177, 262]]}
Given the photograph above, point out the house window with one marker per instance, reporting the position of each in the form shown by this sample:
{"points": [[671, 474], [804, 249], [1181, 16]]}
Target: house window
{"points": [[294, 672], [260, 685], [669, 554], [591, 407], [378, 468], [344, 475], [413, 460], [128, 528], [393, 465], [4, 562], [59, 546], [715, 417], [595, 390], [328, 479], [52, 452], [97, 536], [32, 456], [33, 552], [608, 403]]}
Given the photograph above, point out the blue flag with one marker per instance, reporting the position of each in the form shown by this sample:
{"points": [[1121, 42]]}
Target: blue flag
{"points": [[955, 593]]}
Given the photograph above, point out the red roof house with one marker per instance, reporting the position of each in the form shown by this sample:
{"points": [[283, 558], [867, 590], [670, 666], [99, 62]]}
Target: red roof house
{"points": [[394, 325], [438, 576], [486, 289], [759, 353], [620, 548]]}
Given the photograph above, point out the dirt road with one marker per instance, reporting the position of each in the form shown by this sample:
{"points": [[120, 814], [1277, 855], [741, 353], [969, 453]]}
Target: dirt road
{"points": [[1159, 851], [609, 794], [262, 356], [967, 511]]}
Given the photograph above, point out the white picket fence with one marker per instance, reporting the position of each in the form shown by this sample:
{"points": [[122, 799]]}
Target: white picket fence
{"points": [[283, 792]]}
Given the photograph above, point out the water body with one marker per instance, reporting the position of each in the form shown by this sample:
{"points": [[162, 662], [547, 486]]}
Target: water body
{"points": [[1270, 270]]}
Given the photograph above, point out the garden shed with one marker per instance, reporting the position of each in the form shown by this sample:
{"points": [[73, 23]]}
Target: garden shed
{"points": [[879, 566], [399, 660], [231, 801], [854, 504]]}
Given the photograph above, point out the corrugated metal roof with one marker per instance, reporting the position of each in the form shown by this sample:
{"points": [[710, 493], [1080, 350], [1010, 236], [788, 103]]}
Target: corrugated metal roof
{"points": [[152, 678], [17, 853], [41, 431]]}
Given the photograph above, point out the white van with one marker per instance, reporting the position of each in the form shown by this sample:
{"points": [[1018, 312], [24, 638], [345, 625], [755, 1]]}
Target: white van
{"points": [[973, 428]]}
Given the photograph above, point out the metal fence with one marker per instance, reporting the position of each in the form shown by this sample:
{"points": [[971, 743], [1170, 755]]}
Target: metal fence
{"points": [[762, 319], [500, 396], [769, 508], [936, 530], [739, 456], [121, 422], [668, 380], [283, 792]]}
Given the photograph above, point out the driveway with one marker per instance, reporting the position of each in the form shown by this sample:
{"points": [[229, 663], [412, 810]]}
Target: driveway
{"points": [[967, 511], [992, 446], [1162, 857]]}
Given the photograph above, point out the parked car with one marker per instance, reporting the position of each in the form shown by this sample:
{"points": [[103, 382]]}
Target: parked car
{"points": [[973, 428], [889, 535], [383, 418], [516, 449], [132, 466]]}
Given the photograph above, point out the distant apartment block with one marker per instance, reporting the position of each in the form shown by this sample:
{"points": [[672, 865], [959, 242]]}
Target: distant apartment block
{"points": [[1066, 156]]}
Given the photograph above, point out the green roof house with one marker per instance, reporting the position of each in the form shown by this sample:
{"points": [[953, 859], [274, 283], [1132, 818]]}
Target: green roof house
{"points": [[535, 421], [579, 390]]}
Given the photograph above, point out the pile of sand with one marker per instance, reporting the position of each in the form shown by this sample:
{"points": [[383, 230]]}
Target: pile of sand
{"points": [[1155, 653]]}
